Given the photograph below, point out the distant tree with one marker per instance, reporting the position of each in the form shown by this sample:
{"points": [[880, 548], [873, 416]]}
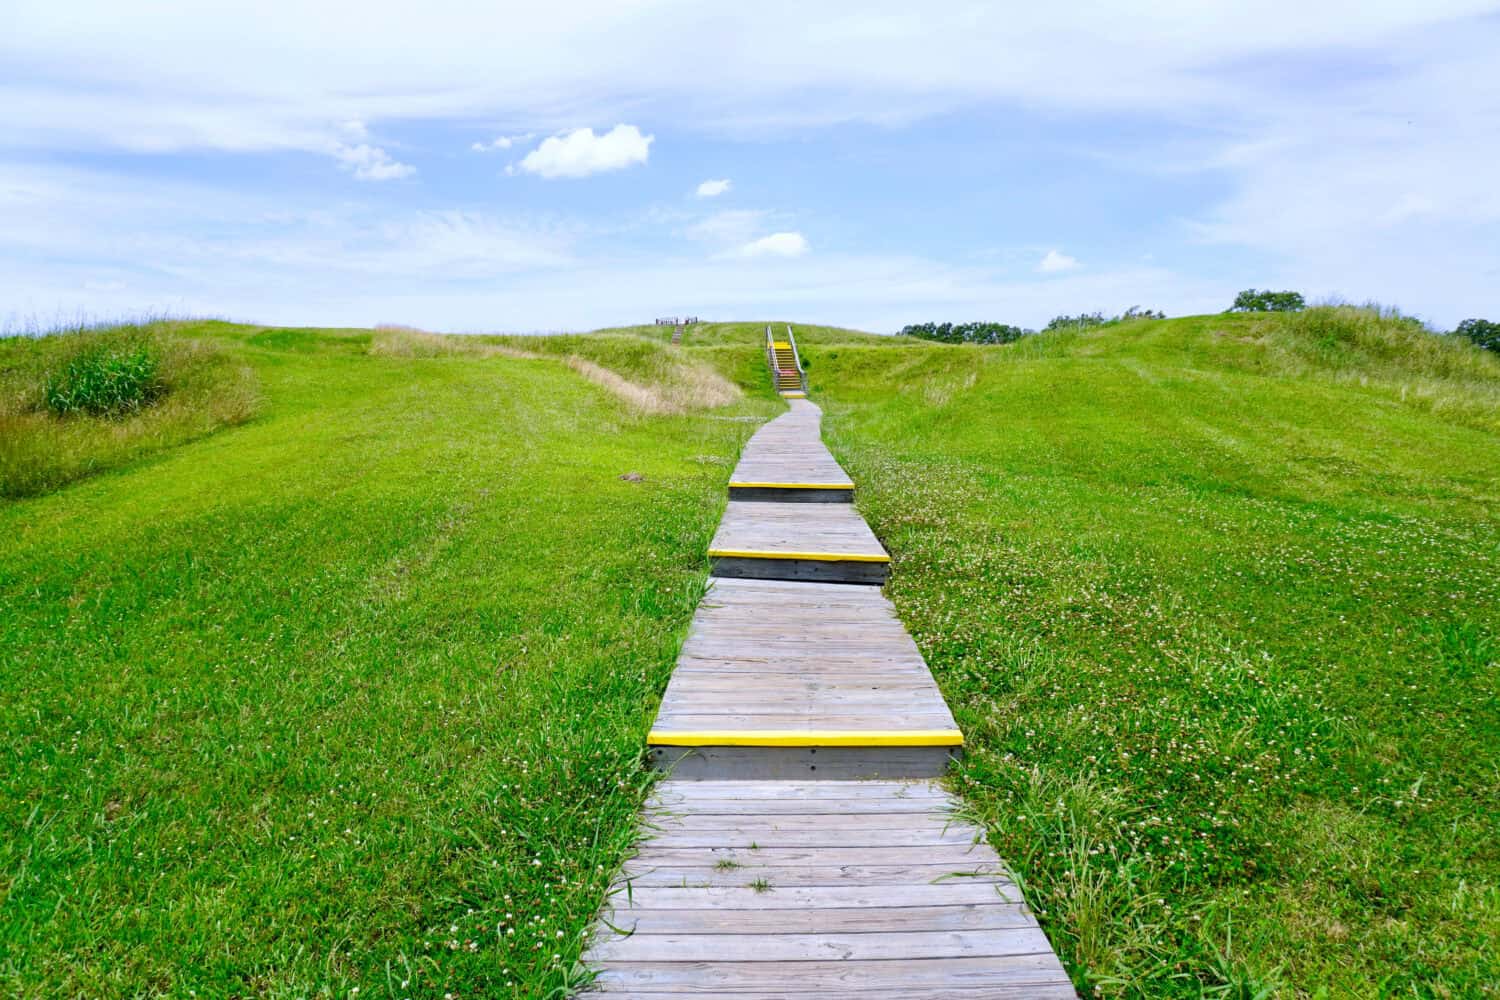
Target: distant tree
{"points": [[1483, 332], [965, 333], [1254, 300], [1136, 312], [1082, 321]]}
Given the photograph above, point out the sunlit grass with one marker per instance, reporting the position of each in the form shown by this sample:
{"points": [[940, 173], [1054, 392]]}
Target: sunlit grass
{"points": [[1217, 606], [79, 401], [352, 695]]}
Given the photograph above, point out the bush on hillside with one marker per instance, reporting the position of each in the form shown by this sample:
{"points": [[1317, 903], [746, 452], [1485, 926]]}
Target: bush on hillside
{"points": [[82, 400], [1481, 332], [1254, 300], [1379, 347], [107, 377], [965, 333]]}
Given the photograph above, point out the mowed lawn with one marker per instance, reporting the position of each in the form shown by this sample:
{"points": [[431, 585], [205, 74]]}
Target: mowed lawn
{"points": [[352, 695], [1223, 633]]}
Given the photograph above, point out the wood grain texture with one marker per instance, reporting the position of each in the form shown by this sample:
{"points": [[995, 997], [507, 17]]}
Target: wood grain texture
{"points": [[761, 526], [774, 654], [789, 449], [753, 901]]}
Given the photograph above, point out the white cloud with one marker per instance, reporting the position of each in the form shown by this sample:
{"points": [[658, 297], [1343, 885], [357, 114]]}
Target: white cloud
{"points": [[580, 152], [503, 142], [1055, 262], [712, 189], [1351, 153], [370, 163], [271, 257], [776, 245], [731, 226]]}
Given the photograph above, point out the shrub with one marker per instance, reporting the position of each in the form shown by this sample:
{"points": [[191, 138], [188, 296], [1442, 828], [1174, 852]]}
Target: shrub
{"points": [[108, 377], [1254, 300], [82, 400], [1481, 332]]}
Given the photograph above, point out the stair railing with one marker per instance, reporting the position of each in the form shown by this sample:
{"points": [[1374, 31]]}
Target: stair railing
{"points": [[796, 356], [771, 357]]}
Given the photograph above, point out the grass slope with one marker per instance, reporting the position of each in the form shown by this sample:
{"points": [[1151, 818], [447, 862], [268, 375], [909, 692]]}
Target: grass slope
{"points": [[202, 389], [1216, 601], [351, 695]]}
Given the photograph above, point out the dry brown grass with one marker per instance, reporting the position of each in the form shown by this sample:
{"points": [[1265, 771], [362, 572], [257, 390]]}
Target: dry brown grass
{"points": [[680, 387], [648, 376], [640, 397]]}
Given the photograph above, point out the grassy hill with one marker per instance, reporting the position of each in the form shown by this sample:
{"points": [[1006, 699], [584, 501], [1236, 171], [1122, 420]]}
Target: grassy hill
{"points": [[1217, 602], [350, 695], [348, 687]]}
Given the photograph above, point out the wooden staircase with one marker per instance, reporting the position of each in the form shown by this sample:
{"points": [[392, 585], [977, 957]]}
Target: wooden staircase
{"points": [[786, 367]]}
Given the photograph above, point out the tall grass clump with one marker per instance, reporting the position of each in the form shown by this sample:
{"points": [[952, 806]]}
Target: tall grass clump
{"points": [[1379, 347], [79, 401], [107, 377]]}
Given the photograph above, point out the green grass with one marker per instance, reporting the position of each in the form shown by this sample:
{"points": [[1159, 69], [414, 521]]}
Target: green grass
{"points": [[79, 402], [353, 694], [1216, 602]]}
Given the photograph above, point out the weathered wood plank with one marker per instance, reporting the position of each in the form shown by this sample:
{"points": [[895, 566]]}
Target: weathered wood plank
{"points": [[776, 877], [805, 791], [756, 526], [822, 763], [836, 836], [822, 946], [837, 897], [1030, 970], [961, 855], [824, 920]]}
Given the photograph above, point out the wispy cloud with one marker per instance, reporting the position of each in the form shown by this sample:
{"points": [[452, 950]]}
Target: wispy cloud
{"points": [[712, 189], [776, 245], [730, 227], [501, 142], [1055, 262], [370, 163], [580, 153]]}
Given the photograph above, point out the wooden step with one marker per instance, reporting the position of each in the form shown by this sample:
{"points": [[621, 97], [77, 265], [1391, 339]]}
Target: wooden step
{"points": [[762, 902], [800, 680], [825, 542]]}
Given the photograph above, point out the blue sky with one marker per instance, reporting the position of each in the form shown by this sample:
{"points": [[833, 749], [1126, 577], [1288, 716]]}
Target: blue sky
{"points": [[337, 163]]}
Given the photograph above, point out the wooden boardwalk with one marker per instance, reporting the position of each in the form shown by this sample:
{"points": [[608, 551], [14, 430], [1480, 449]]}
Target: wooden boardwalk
{"points": [[818, 889], [814, 676], [800, 846], [787, 461]]}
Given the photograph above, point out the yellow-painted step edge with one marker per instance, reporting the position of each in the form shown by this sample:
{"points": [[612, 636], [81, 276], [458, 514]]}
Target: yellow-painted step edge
{"points": [[807, 738], [782, 344], [815, 556], [791, 486]]}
